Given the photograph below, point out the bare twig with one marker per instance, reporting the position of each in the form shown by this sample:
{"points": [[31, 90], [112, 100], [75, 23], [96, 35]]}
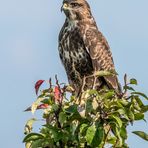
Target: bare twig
{"points": [[50, 83]]}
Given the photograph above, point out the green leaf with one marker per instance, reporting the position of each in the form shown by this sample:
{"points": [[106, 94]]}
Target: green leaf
{"points": [[140, 103], [141, 94], [28, 126], [117, 134], [141, 134], [128, 88], [55, 133], [89, 106], [122, 112], [33, 137], [55, 107], [46, 101], [117, 119], [144, 109], [90, 134], [130, 115], [139, 116], [37, 143], [111, 140], [72, 109], [124, 102], [123, 132], [93, 92], [109, 95], [83, 129], [62, 117], [98, 137], [133, 81]]}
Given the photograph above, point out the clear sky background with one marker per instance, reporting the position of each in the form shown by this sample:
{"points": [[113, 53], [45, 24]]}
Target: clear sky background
{"points": [[28, 52]]}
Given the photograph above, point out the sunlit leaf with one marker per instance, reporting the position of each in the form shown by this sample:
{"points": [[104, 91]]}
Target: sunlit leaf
{"points": [[28, 126], [109, 94], [36, 104], [83, 129], [133, 81], [117, 119], [141, 134], [90, 134], [111, 140], [28, 145], [33, 137]]}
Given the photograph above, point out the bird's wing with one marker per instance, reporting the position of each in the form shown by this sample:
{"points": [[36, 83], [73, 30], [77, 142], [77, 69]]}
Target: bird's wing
{"points": [[98, 48]]}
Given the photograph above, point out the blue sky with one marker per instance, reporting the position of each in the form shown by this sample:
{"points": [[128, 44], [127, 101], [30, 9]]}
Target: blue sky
{"points": [[28, 52]]}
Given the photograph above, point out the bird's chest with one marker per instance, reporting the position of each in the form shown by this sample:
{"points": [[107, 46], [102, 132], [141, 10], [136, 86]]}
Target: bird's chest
{"points": [[73, 53], [73, 48]]}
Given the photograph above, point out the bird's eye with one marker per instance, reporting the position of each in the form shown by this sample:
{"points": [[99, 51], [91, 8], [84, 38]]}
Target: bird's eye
{"points": [[74, 4]]}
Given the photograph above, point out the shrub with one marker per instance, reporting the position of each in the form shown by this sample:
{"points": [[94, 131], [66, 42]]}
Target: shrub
{"points": [[94, 119]]}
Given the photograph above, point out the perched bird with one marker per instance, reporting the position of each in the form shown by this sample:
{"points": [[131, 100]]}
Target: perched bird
{"points": [[84, 50]]}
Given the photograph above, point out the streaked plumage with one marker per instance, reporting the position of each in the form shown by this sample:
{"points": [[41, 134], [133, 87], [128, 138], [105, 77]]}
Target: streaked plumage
{"points": [[83, 49]]}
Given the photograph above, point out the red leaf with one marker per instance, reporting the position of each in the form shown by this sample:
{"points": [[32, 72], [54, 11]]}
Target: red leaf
{"points": [[57, 94], [43, 106], [37, 85]]}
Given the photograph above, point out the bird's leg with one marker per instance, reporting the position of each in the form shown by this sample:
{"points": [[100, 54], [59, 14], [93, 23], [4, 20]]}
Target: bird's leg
{"points": [[80, 92], [83, 84]]}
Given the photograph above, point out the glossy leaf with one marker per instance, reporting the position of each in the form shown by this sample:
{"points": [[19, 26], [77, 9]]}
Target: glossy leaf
{"points": [[28, 126], [90, 134], [33, 137], [133, 81], [141, 134], [116, 120]]}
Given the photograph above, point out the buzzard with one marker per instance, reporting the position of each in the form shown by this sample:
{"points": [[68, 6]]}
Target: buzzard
{"points": [[83, 49]]}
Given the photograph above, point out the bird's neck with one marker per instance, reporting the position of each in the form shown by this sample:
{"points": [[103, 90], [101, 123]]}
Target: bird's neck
{"points": [[76, 23]]}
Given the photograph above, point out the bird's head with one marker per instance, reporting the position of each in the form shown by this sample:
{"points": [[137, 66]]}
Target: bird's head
{"points": [[76, 9]]}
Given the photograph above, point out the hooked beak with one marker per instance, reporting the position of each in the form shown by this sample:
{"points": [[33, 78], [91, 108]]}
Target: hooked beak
{"points": [[64, 7]]}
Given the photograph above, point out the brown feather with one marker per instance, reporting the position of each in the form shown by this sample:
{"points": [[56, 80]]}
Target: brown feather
{"points": [[83, 49]]}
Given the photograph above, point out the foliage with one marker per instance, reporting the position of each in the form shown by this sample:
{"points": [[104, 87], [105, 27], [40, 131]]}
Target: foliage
{"points": [[94, 119]]}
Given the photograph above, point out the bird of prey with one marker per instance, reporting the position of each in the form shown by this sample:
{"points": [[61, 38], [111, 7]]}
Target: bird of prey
{"points": [[83, 49]]}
